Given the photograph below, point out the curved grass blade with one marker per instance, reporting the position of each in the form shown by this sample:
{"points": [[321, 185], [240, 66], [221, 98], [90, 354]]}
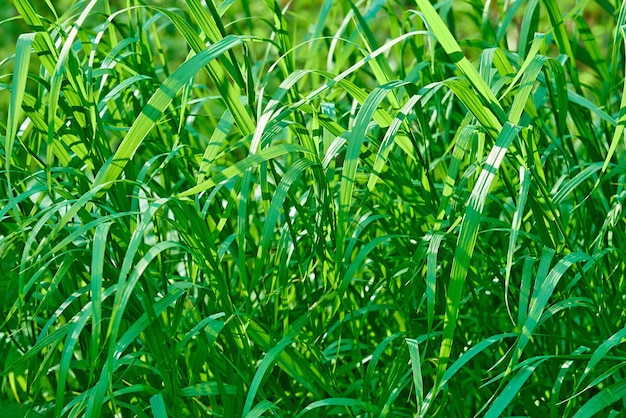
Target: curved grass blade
{"points": [[347, 402], [94, 398], [215, 144], [20, 76], [61, 68], [159, 101], [614, 340], [458, 365], [97, 273], [541, 295], [240, 167], [562, 38], [513, 387], [607, 397], [262, 408], [268, 362], [388, 141], [438, 27]]}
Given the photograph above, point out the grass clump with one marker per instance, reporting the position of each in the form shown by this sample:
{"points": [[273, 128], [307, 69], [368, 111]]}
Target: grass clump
{"points": [[375, 208]]}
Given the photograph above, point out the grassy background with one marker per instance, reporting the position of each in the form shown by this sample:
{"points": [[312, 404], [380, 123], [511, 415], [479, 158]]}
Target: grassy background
{"points": [[374, 208]]}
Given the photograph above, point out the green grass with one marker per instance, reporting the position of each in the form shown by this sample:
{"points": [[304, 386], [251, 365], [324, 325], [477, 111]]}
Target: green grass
{"points": [[373, 208]]}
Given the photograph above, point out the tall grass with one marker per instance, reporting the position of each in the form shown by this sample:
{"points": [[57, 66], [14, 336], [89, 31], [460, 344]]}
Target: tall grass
{"points": [[373, 208]]}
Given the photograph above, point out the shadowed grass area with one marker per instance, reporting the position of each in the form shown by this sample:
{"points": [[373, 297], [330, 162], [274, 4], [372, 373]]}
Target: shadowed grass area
{"points": [[313, 208]]}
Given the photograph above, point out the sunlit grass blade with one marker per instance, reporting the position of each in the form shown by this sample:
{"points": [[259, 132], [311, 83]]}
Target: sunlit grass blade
{"points": [[20, 76], [240, 167], [467, 241], [452, 48], [151, 114]]}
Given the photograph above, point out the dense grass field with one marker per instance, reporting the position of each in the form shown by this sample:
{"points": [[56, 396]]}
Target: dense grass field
{"points": [[312, 208]]}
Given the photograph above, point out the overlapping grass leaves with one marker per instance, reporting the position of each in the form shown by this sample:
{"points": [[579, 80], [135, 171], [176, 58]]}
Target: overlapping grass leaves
{"points": [[213, 209]]}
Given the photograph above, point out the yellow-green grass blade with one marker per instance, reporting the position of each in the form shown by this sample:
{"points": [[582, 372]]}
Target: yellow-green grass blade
{"points": [[443, 35], [463, 90], [215, 145], [380, 66], [159, 101], [61, 67], [240, 167], [229, 92], [20, 75], [65, 142], [213, 28]]}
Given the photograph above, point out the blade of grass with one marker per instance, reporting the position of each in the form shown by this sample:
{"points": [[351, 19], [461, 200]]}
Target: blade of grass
{"points": [[466, 243], [155, 107]]}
